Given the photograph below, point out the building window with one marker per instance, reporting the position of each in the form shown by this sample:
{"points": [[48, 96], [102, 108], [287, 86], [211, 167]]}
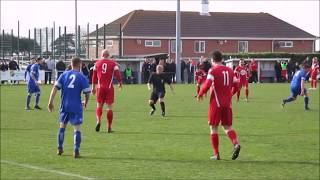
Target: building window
{"points": [[173, 46], [109, 43], [243, 46], [152, 43], [286, 44], [199, 46]]}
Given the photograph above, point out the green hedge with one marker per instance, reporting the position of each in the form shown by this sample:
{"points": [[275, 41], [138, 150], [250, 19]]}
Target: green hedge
{"points": [[295, 57]]}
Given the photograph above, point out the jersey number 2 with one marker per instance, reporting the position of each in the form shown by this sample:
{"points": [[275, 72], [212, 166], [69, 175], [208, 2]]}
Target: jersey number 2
{"points": [[225, 78], [104, 68], [73, 78]]}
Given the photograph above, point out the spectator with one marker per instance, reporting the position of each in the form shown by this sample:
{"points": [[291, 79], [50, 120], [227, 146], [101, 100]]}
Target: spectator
{"points": [[183, 67], [171, 66], [90, 67], [48, 71], [43, 66], [3, 67], [153, 66], [283, 70], [254, 73], [296, 67], [13, 66], [146, 69], [290, 70], [188, 68], [277, 68], [128, 75], [60, 67], [206, 64], [85, 70]]}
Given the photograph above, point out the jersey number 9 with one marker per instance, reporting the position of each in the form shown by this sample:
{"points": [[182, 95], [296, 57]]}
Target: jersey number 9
{"points": [[104, 68]]}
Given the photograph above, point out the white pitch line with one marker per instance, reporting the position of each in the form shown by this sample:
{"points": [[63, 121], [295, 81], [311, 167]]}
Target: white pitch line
{"points": [[45, 169]]}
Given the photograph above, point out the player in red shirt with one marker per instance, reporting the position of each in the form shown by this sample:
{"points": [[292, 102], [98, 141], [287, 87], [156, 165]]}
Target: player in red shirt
{"points": [[103, 73], [314, 72], [223, 85], [242, 73], [200, 76]]}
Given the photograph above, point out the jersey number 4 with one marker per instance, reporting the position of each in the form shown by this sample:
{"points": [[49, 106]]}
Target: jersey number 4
{"points": [[73, 78], [225, 78]]}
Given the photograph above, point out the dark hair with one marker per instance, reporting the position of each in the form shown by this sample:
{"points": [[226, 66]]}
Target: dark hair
{"points": [[217, 56], [76, 61], [305, 64], [39, 59]]}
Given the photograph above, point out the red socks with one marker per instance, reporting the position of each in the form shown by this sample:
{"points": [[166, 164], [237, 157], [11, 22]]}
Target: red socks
{"points": [[215, 143], [98, 114], [109, 117], [233, 137]]}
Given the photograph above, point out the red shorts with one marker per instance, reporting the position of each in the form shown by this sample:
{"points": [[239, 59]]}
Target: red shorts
{"points": [[313, 76], [221, 114], [201, 81], [243, 83], [105, 96]]}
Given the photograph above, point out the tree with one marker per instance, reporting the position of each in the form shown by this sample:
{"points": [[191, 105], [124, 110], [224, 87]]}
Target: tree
{"points": [[10, 44], [59, 44]]}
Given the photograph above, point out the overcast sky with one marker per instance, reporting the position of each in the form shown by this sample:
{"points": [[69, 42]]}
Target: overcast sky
{"points": [[303, 14]]}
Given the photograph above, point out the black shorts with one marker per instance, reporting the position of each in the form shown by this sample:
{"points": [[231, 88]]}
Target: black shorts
{"points": [[156, 95]]}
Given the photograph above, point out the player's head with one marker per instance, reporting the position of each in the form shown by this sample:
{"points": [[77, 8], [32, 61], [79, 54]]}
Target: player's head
{"points": [[305, 65], [241, 62], [159, 69], [105, 54], [38, 60], [76, 63], [314, 60], [216, 56]]}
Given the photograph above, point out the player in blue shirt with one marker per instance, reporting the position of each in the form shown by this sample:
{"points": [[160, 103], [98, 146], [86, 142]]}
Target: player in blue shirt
{"points": [[27, 72], [71, 83], [32, 84], [297, 86]]}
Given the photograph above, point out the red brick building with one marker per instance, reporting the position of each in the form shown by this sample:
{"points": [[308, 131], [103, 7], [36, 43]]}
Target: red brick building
{"points": [[148, 32]]}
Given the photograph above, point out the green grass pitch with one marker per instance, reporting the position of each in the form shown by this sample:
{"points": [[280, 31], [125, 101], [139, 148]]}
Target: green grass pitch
{"points": [[276, 143]]}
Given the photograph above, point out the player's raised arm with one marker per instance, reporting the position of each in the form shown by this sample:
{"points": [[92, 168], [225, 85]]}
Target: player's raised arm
{"points": [[117, 75]]}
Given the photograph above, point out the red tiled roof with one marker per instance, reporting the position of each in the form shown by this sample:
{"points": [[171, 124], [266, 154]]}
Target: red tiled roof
{"points": [[218, 24]]}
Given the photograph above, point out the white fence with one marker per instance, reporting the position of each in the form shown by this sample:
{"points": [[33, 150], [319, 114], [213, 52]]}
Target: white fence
{"points": [[17, 75]]}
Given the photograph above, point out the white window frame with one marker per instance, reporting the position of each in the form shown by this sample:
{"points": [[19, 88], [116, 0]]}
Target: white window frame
{"points": [[109, 43], [200, 43], [174, 45], [286, 44], [146, 43], [247, 46]]}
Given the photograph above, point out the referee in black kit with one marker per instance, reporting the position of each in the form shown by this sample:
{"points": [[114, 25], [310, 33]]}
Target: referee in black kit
{"points": [[157, 80]]}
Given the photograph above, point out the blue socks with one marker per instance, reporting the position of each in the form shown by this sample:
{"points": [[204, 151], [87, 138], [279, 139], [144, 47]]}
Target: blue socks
{"points": [[306, 102], [289, 99], [37, 98], [60, 137], [77, 140], [28, 101]]}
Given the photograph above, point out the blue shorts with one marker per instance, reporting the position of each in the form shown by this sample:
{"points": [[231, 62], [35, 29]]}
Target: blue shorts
{"points": [[297, 91], [73, 118], [33, 89]]}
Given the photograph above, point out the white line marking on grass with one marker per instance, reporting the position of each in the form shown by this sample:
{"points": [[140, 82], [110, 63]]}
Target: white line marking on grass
{"points": [[45, 169]]}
